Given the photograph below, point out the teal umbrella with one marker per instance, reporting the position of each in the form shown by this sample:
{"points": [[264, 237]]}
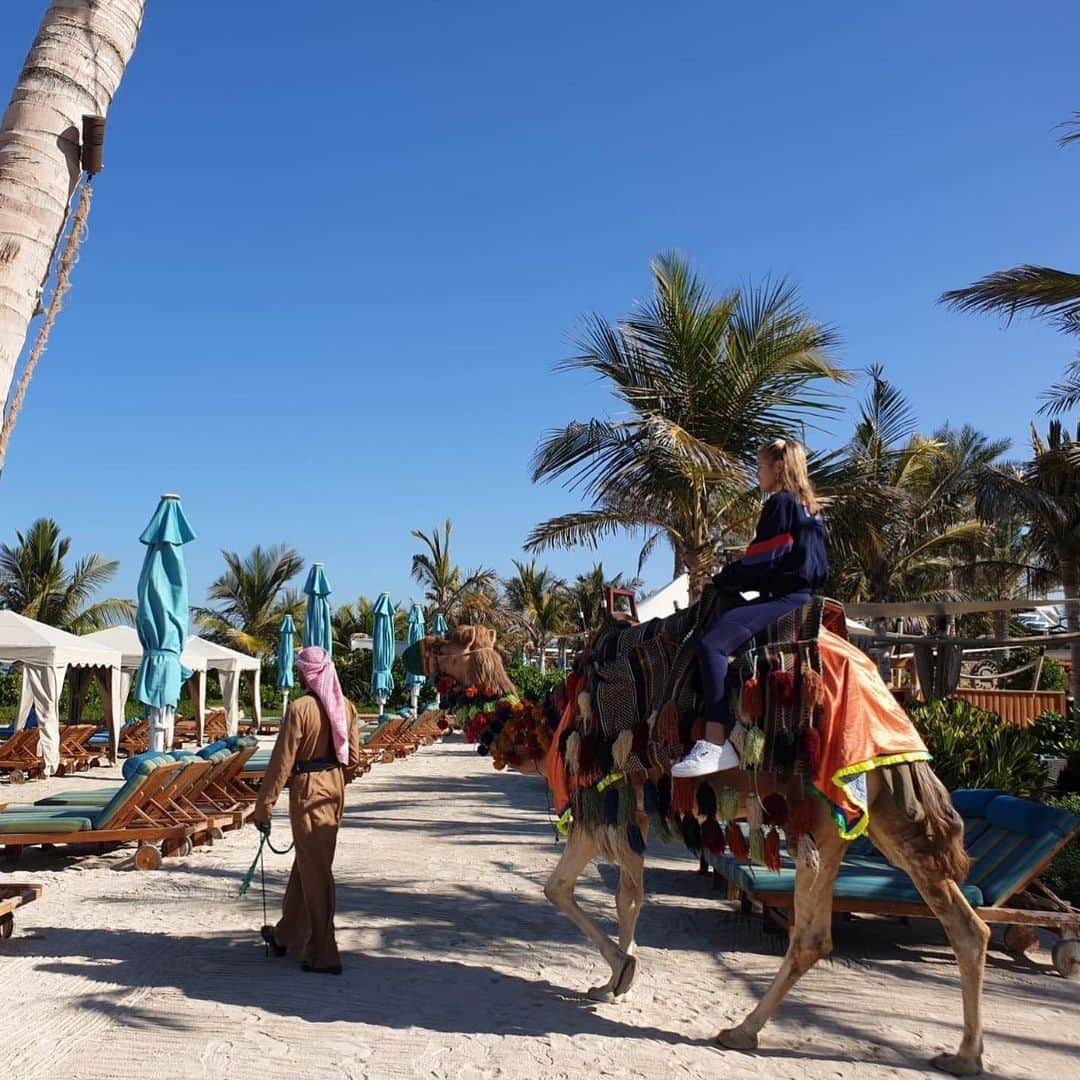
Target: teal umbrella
{"points": [[161, 619], [317, 628], [285, 660], [382, 651], [439, 627], [416, 634]]}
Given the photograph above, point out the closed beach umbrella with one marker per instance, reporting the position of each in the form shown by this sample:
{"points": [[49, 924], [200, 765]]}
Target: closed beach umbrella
{"points": [[416, 634], [439, 627], [161, 619], [382, 651], [285, 660], [317, 628]]}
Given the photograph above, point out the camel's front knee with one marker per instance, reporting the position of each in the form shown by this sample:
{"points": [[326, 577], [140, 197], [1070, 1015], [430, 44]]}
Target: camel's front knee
{"points": [[559, 891], [807, 952]]}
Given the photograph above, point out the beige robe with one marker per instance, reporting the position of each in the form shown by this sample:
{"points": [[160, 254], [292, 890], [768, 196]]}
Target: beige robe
{"points": [[316, 803]]}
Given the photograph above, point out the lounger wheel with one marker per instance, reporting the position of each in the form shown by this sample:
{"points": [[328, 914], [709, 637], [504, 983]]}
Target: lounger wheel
{"points": [[1066, 958], [217, 833], [1020, 940], [179, 849], [147, 857], [17, 776], [7, 926]]}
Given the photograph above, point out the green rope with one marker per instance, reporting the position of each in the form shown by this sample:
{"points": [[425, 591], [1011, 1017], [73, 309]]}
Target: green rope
{"points": [[249, 877]]}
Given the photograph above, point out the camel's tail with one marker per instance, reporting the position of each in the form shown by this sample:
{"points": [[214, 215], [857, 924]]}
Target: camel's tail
{"points": [[938, 832]]}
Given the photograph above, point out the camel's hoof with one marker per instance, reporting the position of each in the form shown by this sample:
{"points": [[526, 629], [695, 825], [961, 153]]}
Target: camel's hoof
{"points": [[736, 1039], [602, 994], [625, 979], [955, 1065]]}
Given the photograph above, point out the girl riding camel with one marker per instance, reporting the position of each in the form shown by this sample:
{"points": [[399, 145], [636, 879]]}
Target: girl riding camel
{"points": [[785, 565]]}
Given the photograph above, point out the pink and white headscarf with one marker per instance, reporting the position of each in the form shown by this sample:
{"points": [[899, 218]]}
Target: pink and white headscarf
{"points": [[321, 678]]}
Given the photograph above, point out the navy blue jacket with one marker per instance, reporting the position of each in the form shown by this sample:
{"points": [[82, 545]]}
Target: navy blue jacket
{"points": [[787, 555]]}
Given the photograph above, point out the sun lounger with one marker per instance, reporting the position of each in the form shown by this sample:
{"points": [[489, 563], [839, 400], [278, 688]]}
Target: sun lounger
{"points": [[75, 750], [12, 897], [19, 756], [1010, 842], [135, 738], [139, 812]]}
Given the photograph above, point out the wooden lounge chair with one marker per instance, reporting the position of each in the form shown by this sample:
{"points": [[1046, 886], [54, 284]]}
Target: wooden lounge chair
{"points": [[19, 756], [133, 815], [1010, 842], [135, 738], [12, 897], [76, 753]]}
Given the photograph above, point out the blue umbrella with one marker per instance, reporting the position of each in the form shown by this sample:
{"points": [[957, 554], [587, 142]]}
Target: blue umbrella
{"points": [[382, 651], [285, 660], [416, 633], [317, 627], [161, 619], [439, 627]]}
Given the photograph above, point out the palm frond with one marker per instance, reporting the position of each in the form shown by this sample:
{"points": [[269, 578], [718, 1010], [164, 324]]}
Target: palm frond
{"points": [[1053, 295]]}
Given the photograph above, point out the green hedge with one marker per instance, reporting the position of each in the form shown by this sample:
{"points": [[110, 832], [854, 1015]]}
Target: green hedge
{"points": [[1063, 876]]}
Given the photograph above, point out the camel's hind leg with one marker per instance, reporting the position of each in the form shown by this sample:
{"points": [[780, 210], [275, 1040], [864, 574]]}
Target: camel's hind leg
{"points": [[580, 849], [967, 933], [810, 939]]}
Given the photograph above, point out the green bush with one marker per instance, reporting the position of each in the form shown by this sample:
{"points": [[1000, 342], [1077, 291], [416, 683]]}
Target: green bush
{"points": [[1063, 874], [531, 684], [1054, 732], [974, 749], [1052, 676]]}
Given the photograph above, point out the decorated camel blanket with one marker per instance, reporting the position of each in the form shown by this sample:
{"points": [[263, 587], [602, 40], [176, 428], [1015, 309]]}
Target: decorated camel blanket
{"points": [[806, 704]]}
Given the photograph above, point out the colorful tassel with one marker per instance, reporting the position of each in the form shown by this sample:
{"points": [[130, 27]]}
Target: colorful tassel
{"points": [[754, 751], [584, 704], [786, 750], [666, 729], [635, 839], [776, 810], [682, 796], [587, 764], [757, 846], [771, 854], [573, 753], [751, 701], [737, 843], [755, 813], [811, 749], [728, 804], [691, 833], [712, 837], [782, 688], [813, 690], [620, 751], [737, 738], [706, 800]]}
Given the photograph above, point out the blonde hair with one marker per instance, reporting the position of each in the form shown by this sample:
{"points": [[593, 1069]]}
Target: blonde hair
{"points": [[793, 474]]}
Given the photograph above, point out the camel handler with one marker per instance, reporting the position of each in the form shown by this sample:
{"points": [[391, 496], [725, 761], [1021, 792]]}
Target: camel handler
{"points": [[318, 741]]}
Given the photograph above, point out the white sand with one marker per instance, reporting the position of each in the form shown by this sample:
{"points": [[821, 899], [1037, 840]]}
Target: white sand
{"points": [[457, 967]]}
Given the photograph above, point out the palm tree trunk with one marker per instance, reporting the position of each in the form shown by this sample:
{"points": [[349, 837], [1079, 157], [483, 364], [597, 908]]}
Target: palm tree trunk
{"points": [[74, 68], [1070, 583]]}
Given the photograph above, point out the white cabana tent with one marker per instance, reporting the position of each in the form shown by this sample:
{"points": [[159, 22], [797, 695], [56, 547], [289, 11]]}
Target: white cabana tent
{"points": [[125, 639], [230, 666], [671, 598], [47, 655]]}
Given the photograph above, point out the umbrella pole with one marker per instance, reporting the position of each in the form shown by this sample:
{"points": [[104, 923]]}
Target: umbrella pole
{"points": [[414, 700], [381, 699], [284, 701], [161, 728]]}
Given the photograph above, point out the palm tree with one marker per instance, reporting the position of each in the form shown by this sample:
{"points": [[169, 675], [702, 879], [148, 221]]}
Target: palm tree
{"points": [[900, 507], [64, 77], [1046, 491], [446, 585], [588, 597], [35, 582], [1041, 291], [252, 598], [704, 381], [539, 604]]}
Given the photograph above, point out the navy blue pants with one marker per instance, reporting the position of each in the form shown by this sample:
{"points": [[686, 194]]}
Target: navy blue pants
{"points": [[731, 630]]}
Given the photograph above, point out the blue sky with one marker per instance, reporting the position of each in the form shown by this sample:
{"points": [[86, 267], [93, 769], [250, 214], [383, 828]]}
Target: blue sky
{"points": [[337, 248]]}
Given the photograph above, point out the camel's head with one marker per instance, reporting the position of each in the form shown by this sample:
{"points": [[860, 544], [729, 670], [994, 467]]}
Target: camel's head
{"points": [[467, 655]]}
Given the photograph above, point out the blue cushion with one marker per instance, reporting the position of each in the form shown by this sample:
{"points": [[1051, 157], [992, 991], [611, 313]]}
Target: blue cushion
{"points": [[213, 748], [134, 766], [972, 802], [43, 822], [1029, 818]]}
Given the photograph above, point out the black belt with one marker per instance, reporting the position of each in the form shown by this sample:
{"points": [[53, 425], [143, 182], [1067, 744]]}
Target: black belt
{"points": [[316, 765]]}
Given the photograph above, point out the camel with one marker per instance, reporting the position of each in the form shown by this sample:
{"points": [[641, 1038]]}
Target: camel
{"points": [[931, 852]]}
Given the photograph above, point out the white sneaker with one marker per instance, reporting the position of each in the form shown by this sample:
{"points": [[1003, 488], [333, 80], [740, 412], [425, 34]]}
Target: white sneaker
{"points": [[706, 758]]}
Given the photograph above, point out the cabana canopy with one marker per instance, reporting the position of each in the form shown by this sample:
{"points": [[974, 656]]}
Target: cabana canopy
{"points": [[230, 666], [47, 655], [125, 639]]}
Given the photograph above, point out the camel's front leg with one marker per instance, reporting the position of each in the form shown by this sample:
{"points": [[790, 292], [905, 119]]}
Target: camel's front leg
{"points": [[809, 940], [581, 847]]}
